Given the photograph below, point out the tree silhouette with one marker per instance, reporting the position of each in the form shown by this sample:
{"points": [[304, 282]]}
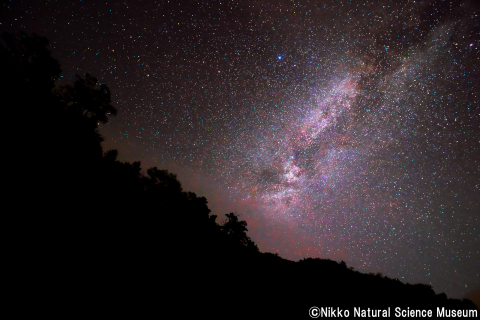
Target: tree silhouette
{"points": [[237, 231], [88, 99], [27, 67], [162, 182], [27, 76]]}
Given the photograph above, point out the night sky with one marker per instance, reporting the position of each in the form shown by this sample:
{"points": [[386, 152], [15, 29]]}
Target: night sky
{"points": [[344, 130]]}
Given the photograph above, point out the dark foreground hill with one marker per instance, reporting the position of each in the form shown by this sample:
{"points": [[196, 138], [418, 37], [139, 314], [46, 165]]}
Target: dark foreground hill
{"points": [[138, 273], [96, 237]]}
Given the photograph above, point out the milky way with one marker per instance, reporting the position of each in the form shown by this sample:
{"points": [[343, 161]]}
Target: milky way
{"points": [[337, 129]]}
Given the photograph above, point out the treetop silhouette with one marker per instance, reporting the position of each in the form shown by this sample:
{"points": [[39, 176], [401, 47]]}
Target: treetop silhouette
{"points": [[88, 98], [237, 230]]}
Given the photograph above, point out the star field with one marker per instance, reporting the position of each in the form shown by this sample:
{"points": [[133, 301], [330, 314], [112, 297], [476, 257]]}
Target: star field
{"points": [[343, 130]]}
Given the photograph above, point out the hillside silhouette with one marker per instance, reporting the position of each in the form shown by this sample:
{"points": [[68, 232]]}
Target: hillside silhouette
{"points": [[98, 235]]}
